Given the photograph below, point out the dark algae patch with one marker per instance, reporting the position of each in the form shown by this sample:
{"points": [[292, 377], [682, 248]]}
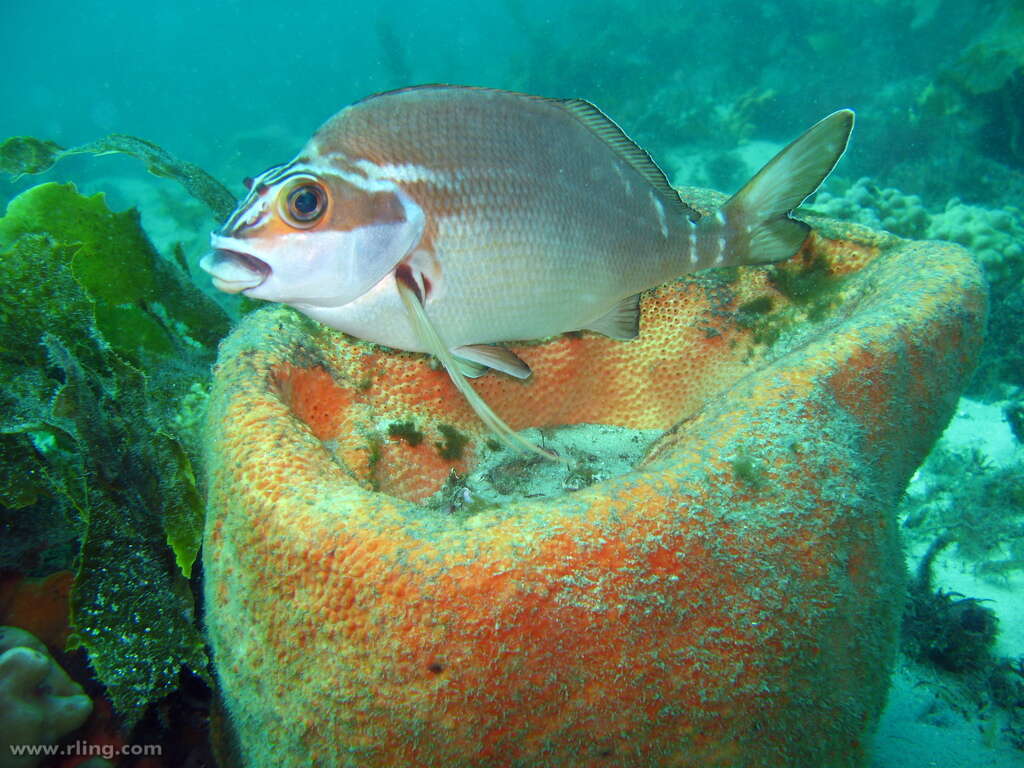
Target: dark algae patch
{"points": [[453, 444], [748, 470], [757, 307], [808, 289], [105, 347], [405, 430], [807, 282], [955, 635], [953, 632]]}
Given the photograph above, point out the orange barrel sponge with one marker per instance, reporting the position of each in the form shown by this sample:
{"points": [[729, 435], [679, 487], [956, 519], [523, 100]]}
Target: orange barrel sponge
{"points": [[733, 600]]}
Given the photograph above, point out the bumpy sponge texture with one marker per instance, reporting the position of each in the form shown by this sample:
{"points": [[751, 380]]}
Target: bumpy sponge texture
{"points": [[733, 601]]}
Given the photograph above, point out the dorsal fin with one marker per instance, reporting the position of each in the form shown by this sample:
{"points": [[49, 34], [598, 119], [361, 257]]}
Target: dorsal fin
{"points": [[609, 132]]}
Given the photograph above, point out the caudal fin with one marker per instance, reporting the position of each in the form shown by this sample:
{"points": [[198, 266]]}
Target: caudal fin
{"points": [[756, 219]]}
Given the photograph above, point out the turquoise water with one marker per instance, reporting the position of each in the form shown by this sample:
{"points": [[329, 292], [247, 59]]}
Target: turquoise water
{"points": [[711, 92], [197, 78]]}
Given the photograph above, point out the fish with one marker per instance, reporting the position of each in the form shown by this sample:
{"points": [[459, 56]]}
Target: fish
{"points": [[448, 219]]}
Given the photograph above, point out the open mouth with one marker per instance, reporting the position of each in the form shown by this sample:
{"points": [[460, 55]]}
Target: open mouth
{"points": [[234, 271]]}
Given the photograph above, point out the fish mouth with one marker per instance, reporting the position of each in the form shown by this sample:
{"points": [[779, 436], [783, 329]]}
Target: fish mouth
{"points": [[234, 271]]}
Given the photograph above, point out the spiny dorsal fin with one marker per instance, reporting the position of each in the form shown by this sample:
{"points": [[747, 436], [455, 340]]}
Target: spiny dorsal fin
{"points": [[592, 118], [611, 134]]}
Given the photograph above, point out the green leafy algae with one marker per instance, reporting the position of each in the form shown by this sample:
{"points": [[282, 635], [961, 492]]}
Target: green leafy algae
{"points": [[101, 341], [184, 512], [117, 275]]}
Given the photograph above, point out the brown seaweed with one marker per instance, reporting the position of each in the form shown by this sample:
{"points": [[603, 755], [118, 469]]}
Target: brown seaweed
{"points": [[20, 155]]}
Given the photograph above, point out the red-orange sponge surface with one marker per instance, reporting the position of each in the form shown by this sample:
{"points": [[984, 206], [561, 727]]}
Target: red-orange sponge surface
{"points": [[732, 602]]}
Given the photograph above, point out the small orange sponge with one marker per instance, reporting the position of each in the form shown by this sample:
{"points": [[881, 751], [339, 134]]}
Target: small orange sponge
{"points": [[734, 601]]}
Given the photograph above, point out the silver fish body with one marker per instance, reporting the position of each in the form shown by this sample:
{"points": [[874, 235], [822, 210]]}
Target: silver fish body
{"points": [[522, 217], [445, 219], [534, 225]]}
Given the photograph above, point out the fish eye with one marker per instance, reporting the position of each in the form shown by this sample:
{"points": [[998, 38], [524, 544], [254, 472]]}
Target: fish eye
{"points": [[305, 204]]}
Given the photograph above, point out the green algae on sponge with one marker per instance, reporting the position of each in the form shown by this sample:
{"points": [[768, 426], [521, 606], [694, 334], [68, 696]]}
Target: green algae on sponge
{"points": [[102, 341]]}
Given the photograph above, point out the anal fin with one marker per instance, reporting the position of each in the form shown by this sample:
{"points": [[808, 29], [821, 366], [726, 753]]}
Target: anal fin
{"points": [[408, 290], [620, 322]]}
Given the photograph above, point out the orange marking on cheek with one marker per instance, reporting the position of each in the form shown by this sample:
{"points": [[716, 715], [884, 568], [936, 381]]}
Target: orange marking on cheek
{"points": [[354, 208], [273, 227]]}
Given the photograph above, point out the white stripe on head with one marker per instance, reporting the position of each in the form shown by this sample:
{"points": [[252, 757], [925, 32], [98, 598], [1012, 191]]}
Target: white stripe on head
{"points": [[253, 209], [369, 180], [408, 173]]}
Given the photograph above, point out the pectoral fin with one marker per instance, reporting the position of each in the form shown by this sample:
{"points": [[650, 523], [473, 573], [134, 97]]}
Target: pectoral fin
{"points": [[408, 289]]}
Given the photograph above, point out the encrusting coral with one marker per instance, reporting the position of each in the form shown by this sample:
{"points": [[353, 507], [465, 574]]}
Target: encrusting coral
{"points": [[995, 236], [733, 600], [878, 207], [39, 703]]}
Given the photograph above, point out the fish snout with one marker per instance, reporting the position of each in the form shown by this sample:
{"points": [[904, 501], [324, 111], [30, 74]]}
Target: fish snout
{"points": [[234, 271]]}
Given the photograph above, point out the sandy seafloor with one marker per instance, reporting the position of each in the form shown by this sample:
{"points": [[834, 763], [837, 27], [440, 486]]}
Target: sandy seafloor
{"points": [[918, 730], [921, 728]]}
